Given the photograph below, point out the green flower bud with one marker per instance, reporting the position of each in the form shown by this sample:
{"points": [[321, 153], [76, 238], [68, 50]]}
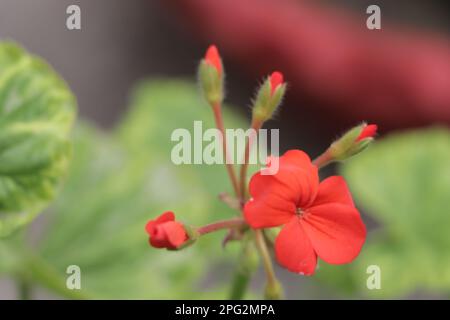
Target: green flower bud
{"points": [[211, 76], [353, 142], [269, 97]]}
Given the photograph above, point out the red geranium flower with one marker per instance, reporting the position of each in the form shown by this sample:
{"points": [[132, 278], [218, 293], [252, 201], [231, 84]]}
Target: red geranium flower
{"points": [[318, 219], [165, 232]]}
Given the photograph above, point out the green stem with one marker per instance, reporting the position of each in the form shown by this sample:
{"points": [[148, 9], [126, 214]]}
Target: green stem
{"points": [[239, 285], [247, 265], [44, 274], [24, 289], [273, 289], [265, 256]]}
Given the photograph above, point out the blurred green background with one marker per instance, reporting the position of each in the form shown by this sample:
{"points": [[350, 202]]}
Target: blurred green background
{"points": [[132, 72]]}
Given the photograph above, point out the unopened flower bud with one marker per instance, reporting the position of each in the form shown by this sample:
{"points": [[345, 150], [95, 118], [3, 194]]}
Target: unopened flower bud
{"points": [[211, 76], [166, 232], [192, 235], [353, 142], [269, 97]]}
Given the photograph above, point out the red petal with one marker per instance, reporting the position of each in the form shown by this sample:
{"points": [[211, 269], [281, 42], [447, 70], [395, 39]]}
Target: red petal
{"points": [[158, 237], [368, 132], [294, 250], [336, 232], [276, 197], [166, 216], [276, 79], [296, 158], [168, 235], [176, 235], [308, 176], [212, 57], [333, 189], [273, 204]]}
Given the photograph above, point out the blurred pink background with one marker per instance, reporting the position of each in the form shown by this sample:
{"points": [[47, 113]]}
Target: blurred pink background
{"points": [[398, 76]]}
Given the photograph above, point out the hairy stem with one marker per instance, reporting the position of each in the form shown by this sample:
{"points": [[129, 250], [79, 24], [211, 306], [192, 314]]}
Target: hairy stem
{"points": [[323, 160], [256, 125], [217, 109]]}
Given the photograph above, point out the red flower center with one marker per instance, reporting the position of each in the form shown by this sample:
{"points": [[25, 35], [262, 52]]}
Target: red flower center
{"points": [[299, 212]]}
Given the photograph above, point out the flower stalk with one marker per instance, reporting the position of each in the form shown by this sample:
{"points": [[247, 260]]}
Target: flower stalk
{"points": [[273, 289], [323, 160], [217, 110], [255, 126], [351, 143], [238, 223], [248, 262], [268, 99]]}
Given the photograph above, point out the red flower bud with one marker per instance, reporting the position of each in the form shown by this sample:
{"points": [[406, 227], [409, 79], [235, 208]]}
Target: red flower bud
{"points": [[367, 132], [269, 97], [351, 143], [276, 79], [211, 76], [212, 57], [165, 232]]}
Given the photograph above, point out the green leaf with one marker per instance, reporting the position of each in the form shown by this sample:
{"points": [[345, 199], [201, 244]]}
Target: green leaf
{"points": [[36, 114], [118, 182], [403, 182]]}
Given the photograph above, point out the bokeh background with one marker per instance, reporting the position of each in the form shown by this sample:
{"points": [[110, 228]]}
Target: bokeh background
{"points": [[339, 73]]}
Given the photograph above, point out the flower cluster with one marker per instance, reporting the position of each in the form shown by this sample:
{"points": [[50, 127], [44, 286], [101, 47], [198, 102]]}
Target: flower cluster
{"points": [[311, 219]]}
